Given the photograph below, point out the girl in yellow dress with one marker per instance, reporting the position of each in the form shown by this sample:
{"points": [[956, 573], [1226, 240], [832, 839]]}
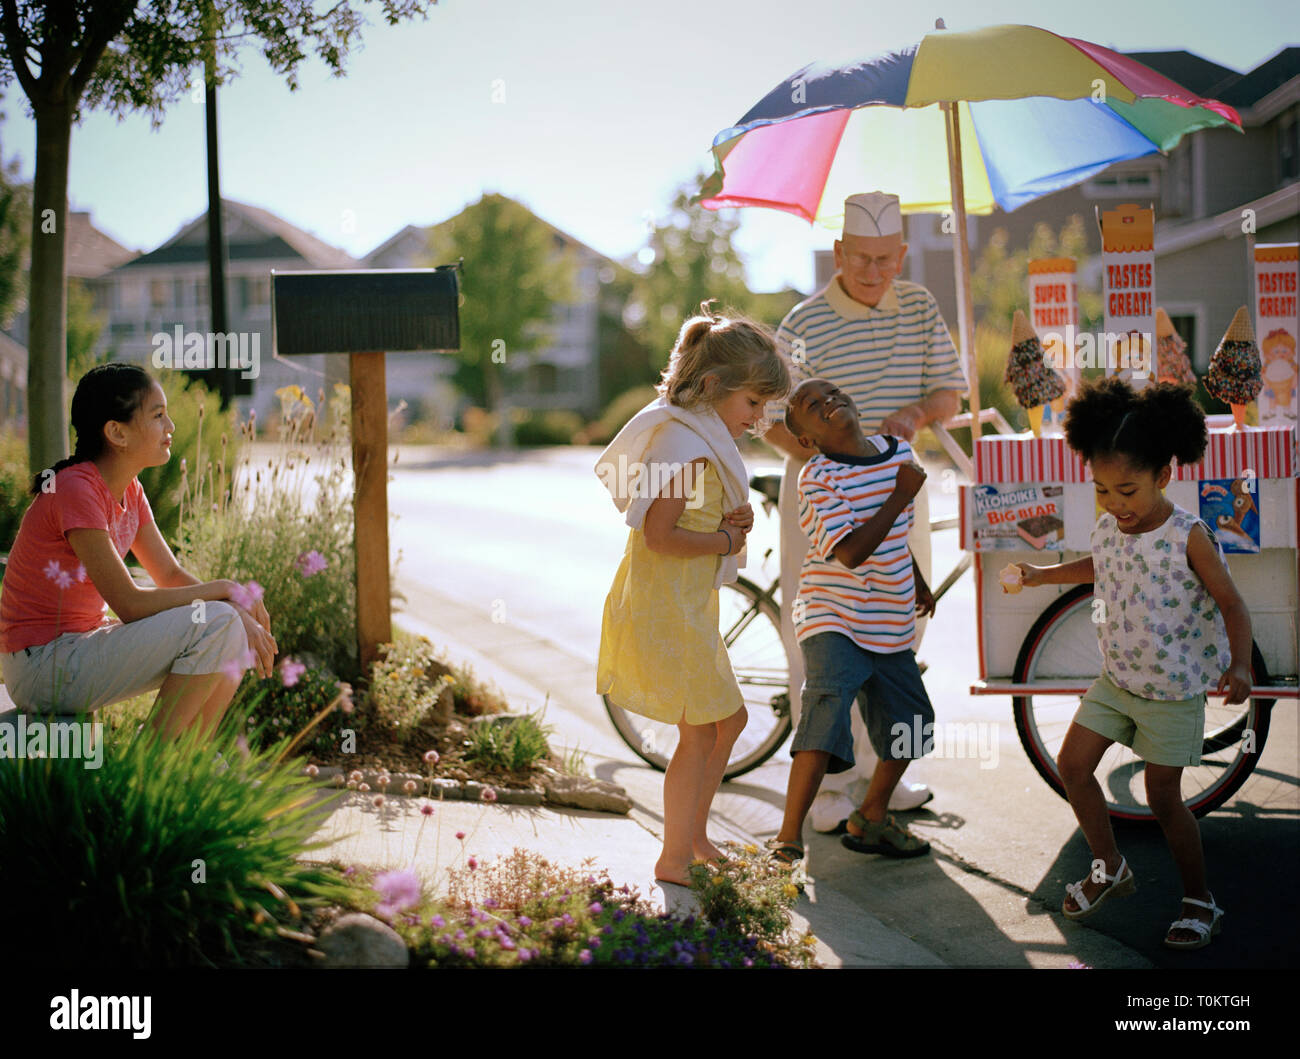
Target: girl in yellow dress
{"points": [[676, 473]]}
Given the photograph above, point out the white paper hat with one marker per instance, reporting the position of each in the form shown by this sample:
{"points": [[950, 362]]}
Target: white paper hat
{"points": [[872, 213]]}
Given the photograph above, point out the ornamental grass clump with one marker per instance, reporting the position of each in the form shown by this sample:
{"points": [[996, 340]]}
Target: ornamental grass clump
{"points": [[284, 520], [171, 853], [510, 746]]}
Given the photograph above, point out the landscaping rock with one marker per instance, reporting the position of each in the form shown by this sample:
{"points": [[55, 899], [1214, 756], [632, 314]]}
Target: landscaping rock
{"points": [[509, 796], [501, 719], [580, 792], [359, 940]]}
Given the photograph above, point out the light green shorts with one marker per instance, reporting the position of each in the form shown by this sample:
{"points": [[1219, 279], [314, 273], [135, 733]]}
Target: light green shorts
{"points": [[1162, 732]]}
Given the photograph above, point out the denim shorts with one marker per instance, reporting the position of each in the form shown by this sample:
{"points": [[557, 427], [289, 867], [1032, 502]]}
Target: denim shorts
{"points": [[889, 692]]}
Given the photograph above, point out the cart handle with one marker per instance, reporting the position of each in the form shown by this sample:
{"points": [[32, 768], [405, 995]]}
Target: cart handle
{"points": [[962, 421]]}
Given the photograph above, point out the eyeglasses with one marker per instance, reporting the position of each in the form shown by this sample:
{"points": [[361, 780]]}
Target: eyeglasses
{"points": [[861, 262]]}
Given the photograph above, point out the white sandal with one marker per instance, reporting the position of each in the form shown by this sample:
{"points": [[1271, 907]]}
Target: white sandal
{"points": [[1204, 930], [1122, 884]]}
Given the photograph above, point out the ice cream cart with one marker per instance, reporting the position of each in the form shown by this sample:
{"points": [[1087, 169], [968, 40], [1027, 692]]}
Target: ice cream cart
{"points": [[1032, 500]]}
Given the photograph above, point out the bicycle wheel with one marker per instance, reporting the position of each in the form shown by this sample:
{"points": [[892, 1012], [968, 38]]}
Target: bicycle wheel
{"points": [[750, 623], [1062, 646]]}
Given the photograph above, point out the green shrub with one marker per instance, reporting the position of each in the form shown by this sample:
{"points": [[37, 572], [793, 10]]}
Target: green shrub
{"points": [[288, 526], [513, 746], [14, 485], [618, 412], [282, 705], [552, 427], [162, 856], [405, 683], [205, 436]]}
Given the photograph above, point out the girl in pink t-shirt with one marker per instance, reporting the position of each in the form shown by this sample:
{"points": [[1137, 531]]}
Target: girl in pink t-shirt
{"points": [[59, 651]]}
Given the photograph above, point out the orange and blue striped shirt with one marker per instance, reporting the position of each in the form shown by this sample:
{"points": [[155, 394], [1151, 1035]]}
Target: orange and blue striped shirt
{"points": [[873, 604]]}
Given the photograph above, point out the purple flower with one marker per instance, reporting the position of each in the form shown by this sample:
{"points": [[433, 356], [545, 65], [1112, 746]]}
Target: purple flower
{"points": [[310, 563], [64, 580], [53, 570], [594, 908], [290, 671], [399, 890], [506, 943], [431, 757], [81, 572], [437, 922], [584, 957], [525, 955]]}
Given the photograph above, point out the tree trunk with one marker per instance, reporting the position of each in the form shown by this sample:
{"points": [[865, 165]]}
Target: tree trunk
{"points": [[47, 342]]}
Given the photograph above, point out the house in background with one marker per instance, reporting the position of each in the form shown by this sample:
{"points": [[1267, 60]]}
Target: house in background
{"points": [[154, 293], [1201, 193], [91, 254], [565, 372]]}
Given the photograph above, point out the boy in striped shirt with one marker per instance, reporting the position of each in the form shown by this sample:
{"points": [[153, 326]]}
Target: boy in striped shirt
{"points": [[855, 617]]}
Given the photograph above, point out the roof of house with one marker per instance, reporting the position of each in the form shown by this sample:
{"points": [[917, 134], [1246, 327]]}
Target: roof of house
{"points": [[1252, 86], [251, 234], [90, 252], [423, 232], [1194, 73]]}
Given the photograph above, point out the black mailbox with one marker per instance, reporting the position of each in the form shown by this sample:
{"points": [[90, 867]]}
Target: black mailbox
{"points": [[366, 311]]}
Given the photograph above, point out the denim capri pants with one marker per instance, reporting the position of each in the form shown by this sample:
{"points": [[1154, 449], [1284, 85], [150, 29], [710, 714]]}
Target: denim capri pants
{"points": [[891, 698], [82, 671]]}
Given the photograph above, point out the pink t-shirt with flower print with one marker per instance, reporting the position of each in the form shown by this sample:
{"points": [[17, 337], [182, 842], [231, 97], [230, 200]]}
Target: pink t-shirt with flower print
{"points": [[46, 592]]}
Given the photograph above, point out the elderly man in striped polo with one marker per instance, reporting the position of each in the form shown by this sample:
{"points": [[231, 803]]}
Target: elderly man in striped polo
{"points": [[882, 341]]}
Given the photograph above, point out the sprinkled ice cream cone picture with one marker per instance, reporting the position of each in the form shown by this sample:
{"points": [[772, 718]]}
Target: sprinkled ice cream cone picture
{"points": [[1235, 374], [1034, 383], [1172, 364]]}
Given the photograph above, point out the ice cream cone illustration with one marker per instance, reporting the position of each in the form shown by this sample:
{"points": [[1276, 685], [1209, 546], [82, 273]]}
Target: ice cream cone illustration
{"points": [[1172, 364], [1235, 370], [1034, 383]]}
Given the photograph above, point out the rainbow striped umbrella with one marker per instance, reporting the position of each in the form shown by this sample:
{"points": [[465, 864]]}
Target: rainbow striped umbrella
{"points": [[1038, 112], [1043, 112]]}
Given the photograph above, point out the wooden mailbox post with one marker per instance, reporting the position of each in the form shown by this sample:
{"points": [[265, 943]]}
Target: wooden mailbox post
{"points": [[357, 313]]}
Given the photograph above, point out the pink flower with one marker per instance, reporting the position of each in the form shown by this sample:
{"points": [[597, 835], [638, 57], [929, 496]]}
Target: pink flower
{"points": [[426, 809], [64, 580], [246, 595], [53, 570], [460, 835], [309, 563], [431, 757], [399, 890], [290, 671], [488, 795], [81, 572], [345, 697], [473, 863], [236, 667]]}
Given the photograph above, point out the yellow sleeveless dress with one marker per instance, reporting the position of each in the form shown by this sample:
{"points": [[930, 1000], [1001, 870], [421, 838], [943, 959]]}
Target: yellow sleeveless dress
{"points": [[661, 653]]}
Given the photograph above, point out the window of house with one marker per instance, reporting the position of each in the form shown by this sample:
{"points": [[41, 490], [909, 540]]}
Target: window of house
{"points": [[1288, 144], [158, 294], [1123, 183]]}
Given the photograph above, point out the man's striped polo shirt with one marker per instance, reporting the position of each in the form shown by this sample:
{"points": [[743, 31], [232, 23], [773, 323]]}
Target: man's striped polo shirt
{"points": [[883, 358]]}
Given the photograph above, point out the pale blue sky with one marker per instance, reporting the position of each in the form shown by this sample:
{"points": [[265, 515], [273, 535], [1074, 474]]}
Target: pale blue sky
{"points": [[608, 105]]}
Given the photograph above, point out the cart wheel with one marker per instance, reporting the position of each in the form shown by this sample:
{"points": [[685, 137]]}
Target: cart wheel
{"points": [[1062, 645], [751, 629]]}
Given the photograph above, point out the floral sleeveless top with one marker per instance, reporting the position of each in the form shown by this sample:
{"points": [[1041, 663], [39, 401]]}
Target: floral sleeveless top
{"points": [[1161, 633]]}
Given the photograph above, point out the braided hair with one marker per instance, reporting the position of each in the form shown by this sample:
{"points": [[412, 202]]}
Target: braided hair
{"points": [[108, 392], [1148, 428]]}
